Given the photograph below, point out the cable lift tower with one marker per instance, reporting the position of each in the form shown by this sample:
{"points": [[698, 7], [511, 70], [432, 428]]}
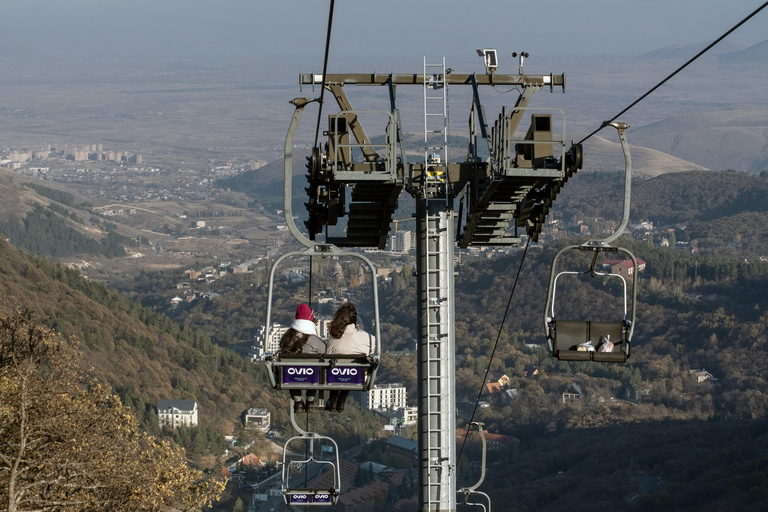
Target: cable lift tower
{"points": [[352, 177]]}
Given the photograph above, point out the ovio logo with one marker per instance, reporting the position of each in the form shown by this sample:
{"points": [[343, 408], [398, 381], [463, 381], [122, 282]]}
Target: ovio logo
{"points": [[344, 372], [301, 371]]}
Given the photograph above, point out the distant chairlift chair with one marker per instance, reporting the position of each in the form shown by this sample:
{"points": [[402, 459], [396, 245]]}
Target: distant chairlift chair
{"points": [[565, 336]]}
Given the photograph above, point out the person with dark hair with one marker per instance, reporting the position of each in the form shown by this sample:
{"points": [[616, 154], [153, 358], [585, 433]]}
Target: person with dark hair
{"points": [[347, 339], [301, 338]]}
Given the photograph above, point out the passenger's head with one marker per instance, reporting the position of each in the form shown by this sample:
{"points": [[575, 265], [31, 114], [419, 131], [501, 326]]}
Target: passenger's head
{"points": [[304, 312], [293, 341], [305, 320], [346, 315]]}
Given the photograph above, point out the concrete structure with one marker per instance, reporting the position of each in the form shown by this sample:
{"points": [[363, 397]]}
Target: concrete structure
{"points": [[402, 241], [174, 413], [258, 418]]}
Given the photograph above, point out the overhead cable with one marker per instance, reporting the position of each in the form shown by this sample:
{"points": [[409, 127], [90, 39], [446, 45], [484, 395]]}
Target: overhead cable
{"points": [[325, 68], [493, 352], [702, 52]]}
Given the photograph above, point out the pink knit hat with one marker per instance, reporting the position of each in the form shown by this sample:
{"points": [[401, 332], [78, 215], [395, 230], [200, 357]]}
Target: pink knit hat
{"points": [[304, 312]]}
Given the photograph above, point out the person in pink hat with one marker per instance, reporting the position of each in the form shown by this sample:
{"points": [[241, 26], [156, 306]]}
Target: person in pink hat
{"points": [[301, 338]]}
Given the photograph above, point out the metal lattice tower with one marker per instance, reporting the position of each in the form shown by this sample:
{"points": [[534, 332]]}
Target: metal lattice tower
{"points": [[436, 370]]}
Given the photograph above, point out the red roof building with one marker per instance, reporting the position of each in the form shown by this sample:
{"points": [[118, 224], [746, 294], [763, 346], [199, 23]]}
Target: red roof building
{"points": [[624, 268]]}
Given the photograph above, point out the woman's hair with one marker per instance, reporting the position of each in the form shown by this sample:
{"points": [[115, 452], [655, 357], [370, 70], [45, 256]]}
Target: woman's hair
{"points": [[346, 314], [293, 341]]}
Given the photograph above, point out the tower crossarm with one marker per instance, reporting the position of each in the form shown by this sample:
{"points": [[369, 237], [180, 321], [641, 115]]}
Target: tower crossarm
{"points": [[341, 79]]}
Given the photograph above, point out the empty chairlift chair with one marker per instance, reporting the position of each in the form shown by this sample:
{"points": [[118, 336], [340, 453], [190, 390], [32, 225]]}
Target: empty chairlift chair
{"points": [[581, 340], [586, 340]]}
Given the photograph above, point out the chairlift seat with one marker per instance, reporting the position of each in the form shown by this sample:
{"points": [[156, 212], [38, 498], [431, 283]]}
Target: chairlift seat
{"points": [[311, 497], [566, 335], [340, 372], [300, 494]]}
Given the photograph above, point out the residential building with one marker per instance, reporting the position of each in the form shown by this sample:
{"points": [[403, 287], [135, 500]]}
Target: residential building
{"points": [[492, 441], [530, 371], [262, 347], [397, 445], [363, 498], [174, 413], [402, 241], [322, 328], [701, 375], [402, 416], [385, 396], [500, 378], [573, 394], [258, 418], [494, 387], [624, 268]]}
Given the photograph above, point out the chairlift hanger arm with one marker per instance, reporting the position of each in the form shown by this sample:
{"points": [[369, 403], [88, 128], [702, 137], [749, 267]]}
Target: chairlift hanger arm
{"points": [[621, 128], [479, 111], [299, 103], [517, 112]]}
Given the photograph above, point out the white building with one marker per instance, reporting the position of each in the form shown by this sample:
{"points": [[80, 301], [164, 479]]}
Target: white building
{"points": [[322, 328], [402, 241], [262, 347], [385, 396], [174, 413], [259, 418]]}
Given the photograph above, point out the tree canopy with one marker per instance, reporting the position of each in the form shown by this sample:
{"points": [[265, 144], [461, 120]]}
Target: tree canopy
{"points": [[68, 444]]}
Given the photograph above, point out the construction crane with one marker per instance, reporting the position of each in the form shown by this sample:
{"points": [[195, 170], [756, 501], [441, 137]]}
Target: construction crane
{"points": [[401, 220]]}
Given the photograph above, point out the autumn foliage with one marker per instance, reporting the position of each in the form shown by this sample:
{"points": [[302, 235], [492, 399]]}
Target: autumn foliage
{"points": [[67, 443]]}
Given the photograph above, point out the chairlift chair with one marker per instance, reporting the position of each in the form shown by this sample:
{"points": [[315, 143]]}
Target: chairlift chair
{"points": [[300, 493], [471, 492], [336, 372], [565, 335]]}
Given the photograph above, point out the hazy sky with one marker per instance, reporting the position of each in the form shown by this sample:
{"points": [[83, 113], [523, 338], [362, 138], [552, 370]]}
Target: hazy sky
{"points": [[389, 29]]}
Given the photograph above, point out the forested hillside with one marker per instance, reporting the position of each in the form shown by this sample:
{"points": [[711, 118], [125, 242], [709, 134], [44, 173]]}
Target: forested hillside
{"points": [[145, 356], [50, 222], [713, 209]]}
